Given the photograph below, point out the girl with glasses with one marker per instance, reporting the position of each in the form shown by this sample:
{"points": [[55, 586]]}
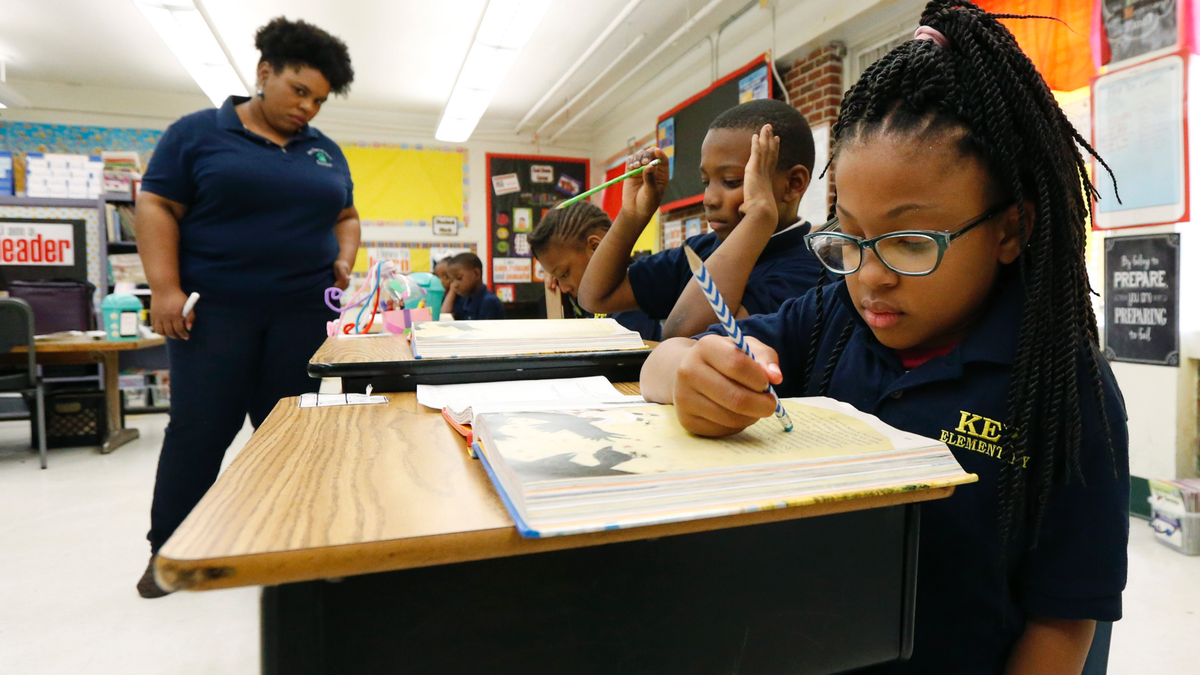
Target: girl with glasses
{"points": [[960, 312]]}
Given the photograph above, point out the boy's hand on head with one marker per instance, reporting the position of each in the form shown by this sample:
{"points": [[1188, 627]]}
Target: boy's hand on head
{"points": [[758, 194], [720, 391], [643, 193]]}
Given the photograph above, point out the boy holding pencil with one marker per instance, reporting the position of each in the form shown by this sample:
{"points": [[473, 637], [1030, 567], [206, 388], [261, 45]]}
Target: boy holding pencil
{"points": [[755, 253]]}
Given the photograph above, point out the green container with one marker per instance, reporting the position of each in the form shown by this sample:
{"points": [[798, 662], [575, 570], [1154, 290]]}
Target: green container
{"points": [[434, 293], [122, 314]]}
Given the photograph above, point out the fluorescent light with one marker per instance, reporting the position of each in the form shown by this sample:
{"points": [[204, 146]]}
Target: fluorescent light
{"points": [[182, 27], [506, 26]]}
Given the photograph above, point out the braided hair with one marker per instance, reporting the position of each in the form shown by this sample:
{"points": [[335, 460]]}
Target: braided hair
{"points": [[570, 225], [981, 89]]}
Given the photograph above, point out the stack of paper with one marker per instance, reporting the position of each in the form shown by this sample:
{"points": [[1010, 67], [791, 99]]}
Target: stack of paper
{"points": [[464, 339], [572, 472], [1185, 492], [462, 402]]}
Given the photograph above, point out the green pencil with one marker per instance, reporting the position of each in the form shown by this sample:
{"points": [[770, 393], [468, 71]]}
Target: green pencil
{"points": [[618, 179]]}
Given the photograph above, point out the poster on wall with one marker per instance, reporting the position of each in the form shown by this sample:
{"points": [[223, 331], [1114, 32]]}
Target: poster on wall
{"points": [[512, 271], [401, 256], [542, 173], [754, 86], [37, 244], [1138, 28], [446, 226], [1141, 299], [814, 205], [506, 184], [673, 234], [666, 143], [1139, 130]]}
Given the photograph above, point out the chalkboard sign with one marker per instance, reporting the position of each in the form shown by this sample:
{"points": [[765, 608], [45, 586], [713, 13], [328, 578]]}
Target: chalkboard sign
{"points": [[681, 131], [521, 189], [1141, 299]]}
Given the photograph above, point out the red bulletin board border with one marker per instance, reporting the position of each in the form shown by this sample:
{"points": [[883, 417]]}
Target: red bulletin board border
{"points": [[763, 59], [587, 163], [1185, 55]]}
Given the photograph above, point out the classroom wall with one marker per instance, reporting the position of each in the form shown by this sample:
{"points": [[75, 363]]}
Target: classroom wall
{"points": [[85, 105]]}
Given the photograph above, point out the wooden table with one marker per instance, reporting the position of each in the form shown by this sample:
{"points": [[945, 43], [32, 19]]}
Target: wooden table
{"points": [[74, 351], [386, 363], [329, 493]]}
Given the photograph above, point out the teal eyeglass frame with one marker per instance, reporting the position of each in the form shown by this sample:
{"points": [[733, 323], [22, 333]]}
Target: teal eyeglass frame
{"points": [[942, 239]]}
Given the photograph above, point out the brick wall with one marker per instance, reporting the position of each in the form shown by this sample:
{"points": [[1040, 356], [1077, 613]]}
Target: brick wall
{"points": [[815, 84]]}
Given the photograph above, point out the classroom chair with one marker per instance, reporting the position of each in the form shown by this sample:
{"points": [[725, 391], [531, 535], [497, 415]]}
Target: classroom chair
{"points": [[16, 330]]}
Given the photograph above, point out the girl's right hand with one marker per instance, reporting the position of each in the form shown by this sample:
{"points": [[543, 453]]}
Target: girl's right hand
{"points": [[643, 193], [720, 391], [166, 314]]}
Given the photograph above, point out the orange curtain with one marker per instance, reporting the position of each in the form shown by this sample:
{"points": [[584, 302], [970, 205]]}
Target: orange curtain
{"points": [[1062, 54]]}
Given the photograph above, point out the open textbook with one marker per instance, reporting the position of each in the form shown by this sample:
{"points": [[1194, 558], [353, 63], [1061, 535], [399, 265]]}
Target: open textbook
{"points": [[461, 402], [466, 339], [568, 472]]}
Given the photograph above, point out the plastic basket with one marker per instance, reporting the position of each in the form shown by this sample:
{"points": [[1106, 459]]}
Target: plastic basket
{"points": [[1174, 526]]}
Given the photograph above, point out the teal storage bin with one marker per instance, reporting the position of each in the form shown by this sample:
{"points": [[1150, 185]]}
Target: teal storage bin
{"points": [[122, 314], [434, 293]]}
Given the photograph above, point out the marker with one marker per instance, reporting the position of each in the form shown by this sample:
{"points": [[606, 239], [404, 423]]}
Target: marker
{"points": [[190, 304], [718, 304], [618, 179]]}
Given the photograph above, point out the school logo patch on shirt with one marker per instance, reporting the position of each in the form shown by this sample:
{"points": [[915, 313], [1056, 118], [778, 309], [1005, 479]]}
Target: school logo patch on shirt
{"points": [[978, 434], [321, 156]]}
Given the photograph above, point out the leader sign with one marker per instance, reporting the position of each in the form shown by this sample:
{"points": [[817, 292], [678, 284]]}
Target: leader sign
{"points": [[23, 243]]}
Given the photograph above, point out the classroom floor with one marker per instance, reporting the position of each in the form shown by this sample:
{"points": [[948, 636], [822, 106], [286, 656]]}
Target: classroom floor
{"points": [[72, 546]]}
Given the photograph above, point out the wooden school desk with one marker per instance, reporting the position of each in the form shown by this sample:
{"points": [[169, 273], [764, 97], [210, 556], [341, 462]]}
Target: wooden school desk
{"points": [[386, 363], [425, 572], [74, 351]]}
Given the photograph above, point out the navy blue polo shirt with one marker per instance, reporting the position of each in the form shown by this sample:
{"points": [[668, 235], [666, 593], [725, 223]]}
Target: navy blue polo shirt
{"points": [[635, 320], [259, 224], [966, 621], [786, 269], [482, 305]]}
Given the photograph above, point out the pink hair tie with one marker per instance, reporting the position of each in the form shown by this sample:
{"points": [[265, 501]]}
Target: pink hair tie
{"points": [[930, 33]]}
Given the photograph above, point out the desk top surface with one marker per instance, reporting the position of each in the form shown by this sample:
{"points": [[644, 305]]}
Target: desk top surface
{"points": [[338, 491], [86, 344], [381, 348]]}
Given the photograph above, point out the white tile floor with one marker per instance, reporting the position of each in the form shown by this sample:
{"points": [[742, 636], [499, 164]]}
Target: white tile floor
{"points": [[72, 546]]}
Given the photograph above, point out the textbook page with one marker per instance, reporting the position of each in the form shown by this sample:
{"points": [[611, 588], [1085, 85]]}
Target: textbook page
{"points": [[459, 397]]}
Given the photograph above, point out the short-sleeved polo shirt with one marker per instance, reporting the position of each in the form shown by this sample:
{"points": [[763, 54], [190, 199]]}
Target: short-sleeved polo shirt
{"points": [[967, 619], [482, 305], [260, 217], [786, 269]]}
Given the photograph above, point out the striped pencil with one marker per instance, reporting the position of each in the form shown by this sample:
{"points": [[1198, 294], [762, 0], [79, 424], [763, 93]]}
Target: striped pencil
{"points": [[618, 179], [726, 318]]}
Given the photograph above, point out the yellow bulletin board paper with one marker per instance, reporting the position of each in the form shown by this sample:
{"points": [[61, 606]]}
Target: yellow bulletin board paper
{"points": [[648, 239], [404, 184], [419, 260]]}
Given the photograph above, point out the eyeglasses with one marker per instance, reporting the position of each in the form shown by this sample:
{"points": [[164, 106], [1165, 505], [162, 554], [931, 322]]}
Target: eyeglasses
{"points": [[911, 253]]}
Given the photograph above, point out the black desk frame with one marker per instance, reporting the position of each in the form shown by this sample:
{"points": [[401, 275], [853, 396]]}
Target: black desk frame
{"points": [[811, 596]]}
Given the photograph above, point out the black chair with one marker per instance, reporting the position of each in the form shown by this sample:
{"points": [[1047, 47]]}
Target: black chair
{"points": [[1097, 658], [16, 330]]}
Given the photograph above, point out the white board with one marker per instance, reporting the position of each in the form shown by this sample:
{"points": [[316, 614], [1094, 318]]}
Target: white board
{"points": [[814, 206]]}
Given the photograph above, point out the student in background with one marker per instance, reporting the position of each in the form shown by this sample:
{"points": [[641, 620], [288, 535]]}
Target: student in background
{"points": [[755, 252], [253, 208], [442, 272], [473, 300], [963, 314], [563, 242]]}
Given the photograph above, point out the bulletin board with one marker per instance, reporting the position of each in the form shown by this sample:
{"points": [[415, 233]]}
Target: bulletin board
{"points": [[407, 185], [1139, 127], [408, 256], [521, 188]]}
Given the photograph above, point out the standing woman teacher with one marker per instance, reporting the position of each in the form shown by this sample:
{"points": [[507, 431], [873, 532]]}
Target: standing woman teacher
{"points": [[252, 208]]}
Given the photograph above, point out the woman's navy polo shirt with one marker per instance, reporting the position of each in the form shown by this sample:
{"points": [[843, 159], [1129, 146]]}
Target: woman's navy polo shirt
{"points": [[966, 622], [259, 224], [786, 269]]}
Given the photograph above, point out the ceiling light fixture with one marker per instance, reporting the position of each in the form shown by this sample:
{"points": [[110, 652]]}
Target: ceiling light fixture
{"points": [[506, 26], [185, 29]]}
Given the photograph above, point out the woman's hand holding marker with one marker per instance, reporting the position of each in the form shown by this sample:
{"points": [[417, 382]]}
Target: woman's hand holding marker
{"points": [[758, 201], [720, 391], [643, 193]]}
